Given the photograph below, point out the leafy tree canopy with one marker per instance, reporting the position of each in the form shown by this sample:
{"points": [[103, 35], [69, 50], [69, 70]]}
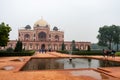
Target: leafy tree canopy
{"points": [[108, 35], [4, 34]]}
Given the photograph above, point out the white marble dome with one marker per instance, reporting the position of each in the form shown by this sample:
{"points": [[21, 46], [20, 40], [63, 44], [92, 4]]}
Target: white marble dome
{"points": [[41, 23]]}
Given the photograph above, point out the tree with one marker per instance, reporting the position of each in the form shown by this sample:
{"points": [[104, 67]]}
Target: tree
{"points": [[63, 46], [109, 35], [18, 47], [88, 49], [73, 45], [4, 34], [116, 33], [10, 49], [105, 36]]}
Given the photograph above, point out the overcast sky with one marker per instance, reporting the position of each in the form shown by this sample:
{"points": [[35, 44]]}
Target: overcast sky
{"points": [[79, 19]]}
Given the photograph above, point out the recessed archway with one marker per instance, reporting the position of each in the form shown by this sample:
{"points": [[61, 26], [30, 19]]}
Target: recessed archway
{"points": [[26, 37], [56, 37], [43, 46], [42, 36]]}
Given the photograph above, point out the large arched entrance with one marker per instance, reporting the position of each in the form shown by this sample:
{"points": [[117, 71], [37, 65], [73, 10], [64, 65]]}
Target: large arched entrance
{"points": [[56, 37], [42, 36], [26, 37], [43, 46]]}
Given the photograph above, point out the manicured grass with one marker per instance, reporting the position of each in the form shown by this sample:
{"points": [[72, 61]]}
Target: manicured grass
{"points": [[117, 53]]}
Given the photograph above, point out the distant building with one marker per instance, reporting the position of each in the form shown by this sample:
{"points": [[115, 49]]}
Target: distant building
{"points": [[41, 37]]}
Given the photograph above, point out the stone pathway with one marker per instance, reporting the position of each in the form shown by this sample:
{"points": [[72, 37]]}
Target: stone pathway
{"points": [[70, 74]]}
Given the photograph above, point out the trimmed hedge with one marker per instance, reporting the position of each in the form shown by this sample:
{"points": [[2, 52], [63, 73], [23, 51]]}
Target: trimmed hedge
{"points": [[92, 52], [65, 52], [83, 52], [25, 53]]}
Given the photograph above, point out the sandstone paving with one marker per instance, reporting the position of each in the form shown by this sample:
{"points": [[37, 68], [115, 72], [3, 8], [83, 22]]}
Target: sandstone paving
{"points": [[15, 74], [48, 75], [114, 71]]}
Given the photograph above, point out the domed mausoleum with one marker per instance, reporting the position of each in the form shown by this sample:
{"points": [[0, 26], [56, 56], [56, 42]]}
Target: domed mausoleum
{"points": [[41, 37]]}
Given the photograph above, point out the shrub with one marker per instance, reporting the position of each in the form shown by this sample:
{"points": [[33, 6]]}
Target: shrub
{"points": [[66, 52], [25, 53], [10, 50], [83, 52], [89, 49], [18, 47]]}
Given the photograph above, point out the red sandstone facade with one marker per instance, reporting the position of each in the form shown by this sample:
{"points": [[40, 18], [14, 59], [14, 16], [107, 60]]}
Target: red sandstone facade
{"points": [[41, 37]]}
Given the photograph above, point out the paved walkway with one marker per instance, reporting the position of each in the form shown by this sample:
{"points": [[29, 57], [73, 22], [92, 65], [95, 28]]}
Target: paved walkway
{"points": [[110, 73]]}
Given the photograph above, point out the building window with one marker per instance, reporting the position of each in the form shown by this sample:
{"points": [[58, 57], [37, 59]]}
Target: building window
{"points": [[11, 45], [26, 37], [36, 46], [49, 39], [19, 34], [30, 45], [37, 25], [24, 45], [49, 36], [62, 36], [34, 35], [56, 38]]}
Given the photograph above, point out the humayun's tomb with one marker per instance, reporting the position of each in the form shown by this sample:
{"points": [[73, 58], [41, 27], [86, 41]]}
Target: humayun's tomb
{"points": [[41, 37]]}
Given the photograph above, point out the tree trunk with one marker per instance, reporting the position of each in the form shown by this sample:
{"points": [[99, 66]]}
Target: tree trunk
{"points": [[110, 45], [117, 46]]}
